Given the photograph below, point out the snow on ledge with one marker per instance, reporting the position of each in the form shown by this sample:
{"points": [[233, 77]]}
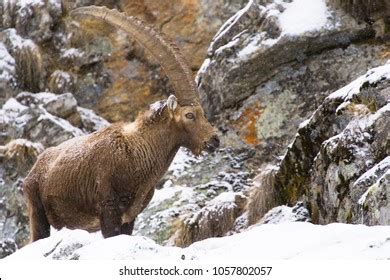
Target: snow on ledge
{"points": [[281, 241], [302, 16], [372, 76]]}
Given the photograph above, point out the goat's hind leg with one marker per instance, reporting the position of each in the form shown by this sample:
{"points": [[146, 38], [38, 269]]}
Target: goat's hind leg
{"points": [[39, 225]]}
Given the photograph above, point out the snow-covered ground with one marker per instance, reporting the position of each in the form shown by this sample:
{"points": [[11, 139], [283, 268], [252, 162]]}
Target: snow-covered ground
{"points": [[297, 240]]}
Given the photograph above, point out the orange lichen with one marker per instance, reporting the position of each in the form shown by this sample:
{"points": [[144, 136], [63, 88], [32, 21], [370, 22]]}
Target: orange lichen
{"points": [[127, 95], [246, 123]]}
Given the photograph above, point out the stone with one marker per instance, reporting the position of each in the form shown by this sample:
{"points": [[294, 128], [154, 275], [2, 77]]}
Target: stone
{"points": [[62, 106], [61, 82], [19, 155], [35, 123], [285, 214], [91, 122], [7, 247]]}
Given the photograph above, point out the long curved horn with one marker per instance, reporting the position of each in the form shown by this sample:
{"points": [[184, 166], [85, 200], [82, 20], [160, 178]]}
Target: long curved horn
{"points": [[163, 50]]}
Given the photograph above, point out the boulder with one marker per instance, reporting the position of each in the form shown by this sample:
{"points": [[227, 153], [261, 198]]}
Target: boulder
{"points": [[19, 156], [35, 124], [285, 214]]}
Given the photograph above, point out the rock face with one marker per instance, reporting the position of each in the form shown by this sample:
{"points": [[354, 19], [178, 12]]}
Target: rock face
{"points": [[102, 67], [375, 12], [266, 72], [30, 123], [259, 39], [339, 157]]}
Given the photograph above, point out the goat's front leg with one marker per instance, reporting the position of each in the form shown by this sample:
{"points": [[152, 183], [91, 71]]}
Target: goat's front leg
{"points": [[127, 228], [110, 218]]}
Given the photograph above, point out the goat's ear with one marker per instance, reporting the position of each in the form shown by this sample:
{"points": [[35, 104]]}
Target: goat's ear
{"points": [[172, 103]]}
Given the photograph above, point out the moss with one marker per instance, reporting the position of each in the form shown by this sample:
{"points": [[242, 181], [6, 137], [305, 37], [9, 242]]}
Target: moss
{"points": [[368, 100], [349, 217]]}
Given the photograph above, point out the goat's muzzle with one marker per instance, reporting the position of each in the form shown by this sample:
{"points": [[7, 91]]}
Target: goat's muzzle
{"points": [[212, 144]]}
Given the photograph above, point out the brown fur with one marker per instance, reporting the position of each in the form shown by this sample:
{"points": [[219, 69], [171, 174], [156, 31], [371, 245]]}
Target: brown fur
{"points": [[105, 179]]}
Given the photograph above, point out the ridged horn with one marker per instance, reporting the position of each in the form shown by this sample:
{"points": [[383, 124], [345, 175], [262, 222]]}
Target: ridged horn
{"points": [[162, 49]]}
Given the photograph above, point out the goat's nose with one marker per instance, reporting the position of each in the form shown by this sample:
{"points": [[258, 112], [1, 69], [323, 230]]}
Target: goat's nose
{"points": [[215, 141]]}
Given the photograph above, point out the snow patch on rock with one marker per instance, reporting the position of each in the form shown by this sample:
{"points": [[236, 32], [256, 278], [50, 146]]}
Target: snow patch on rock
{"points": [[7, 64], [302, 16]]}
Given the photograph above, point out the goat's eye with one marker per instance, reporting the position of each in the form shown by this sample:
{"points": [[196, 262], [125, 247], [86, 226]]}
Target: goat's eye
{"points": [[190, 116]]}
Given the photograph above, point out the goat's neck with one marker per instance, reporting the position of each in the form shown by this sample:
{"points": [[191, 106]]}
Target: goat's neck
{"points": [[164, 142], [159, 142]]}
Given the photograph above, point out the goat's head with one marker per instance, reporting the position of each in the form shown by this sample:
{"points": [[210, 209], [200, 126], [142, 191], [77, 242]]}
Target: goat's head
{"points": [[184, 109], [196, 132]]}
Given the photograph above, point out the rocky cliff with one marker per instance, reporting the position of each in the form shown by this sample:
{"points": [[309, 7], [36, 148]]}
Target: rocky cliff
{"points": [[300, 98]]}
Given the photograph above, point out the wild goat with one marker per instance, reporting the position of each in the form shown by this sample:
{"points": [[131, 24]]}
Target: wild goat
{"points": [[105, 179]]}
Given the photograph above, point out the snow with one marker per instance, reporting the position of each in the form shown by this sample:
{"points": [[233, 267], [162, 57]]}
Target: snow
{"points": [[229, 45], [169, 191], [13, 105], [17, 42], [7, 64], [373, 176], [304, 124], [225, 197], [157, 106], [297, 18], [285, 214], [372, 76], [361, 125], [72, 53], [64, 124], [302, 16], [250, 48], [181, 162], [270, 241], [374, 171], [88, 116], [23, 3]]}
